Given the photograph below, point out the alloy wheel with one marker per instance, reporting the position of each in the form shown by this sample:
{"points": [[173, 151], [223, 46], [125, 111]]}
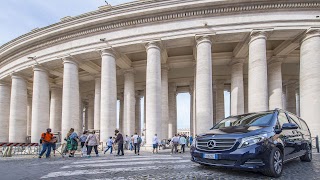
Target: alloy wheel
{"points": [[277, 162]]}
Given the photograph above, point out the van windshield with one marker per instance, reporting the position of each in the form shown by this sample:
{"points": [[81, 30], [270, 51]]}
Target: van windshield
{"points": [[252, 119]]}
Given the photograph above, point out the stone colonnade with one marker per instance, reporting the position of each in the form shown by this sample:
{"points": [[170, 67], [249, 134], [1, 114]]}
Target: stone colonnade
{"points": [[263, 91]]}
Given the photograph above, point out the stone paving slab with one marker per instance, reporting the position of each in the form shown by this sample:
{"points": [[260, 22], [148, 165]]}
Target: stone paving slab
{"points": [[146, 166]]}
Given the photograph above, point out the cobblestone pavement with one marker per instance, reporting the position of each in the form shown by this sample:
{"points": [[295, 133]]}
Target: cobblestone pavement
{"points": [[145, 166]]}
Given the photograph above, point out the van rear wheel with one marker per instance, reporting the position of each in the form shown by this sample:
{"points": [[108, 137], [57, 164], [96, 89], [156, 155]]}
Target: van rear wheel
{"points": [[274, 166], [308, 156]]}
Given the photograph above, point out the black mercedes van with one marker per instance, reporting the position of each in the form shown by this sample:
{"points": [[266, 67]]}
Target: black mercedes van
{"points": [[261, 141]]}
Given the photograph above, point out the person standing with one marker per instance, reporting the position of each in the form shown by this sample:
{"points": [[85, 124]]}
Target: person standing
{"points": [[182, 143], [72, 142], [45, 140], [155, 142], [190, 140], [175, 143], [54, 145], [119, 140], [135, 143], [92, 142], [109, 144]]}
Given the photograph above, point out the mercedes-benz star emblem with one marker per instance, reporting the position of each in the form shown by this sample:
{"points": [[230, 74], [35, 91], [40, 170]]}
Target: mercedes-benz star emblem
{"points": [[211, 144]]}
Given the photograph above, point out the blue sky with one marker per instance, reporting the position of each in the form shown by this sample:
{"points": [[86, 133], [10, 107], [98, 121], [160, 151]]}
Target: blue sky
{"points": [[18, 17]]}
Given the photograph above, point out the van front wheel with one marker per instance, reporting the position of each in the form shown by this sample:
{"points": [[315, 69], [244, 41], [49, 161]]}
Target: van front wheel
{"points": [[274, 166]]}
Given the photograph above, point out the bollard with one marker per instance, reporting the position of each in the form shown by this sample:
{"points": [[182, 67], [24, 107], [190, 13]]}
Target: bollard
{"points": [[317, 143]]}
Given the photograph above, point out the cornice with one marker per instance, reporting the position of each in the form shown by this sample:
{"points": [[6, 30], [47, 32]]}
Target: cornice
{"points": [[181, 13]]}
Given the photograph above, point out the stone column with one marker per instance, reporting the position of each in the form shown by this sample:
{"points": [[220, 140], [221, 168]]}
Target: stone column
{"points": [[237, 93], [56, 109], [138, 114], [297, 102], [18, 110], [90, 112], [219, 100], [153, 86], [121, 113], [70, 98], [204, 107], [310, 79], [4, 111], [40, 103], [172, 111], [175, 119], [284, 97], [29, 114], [97, 103], [246, 96], [129, 102], [214, 91], [257, 77], [144, 111], [291, 96], [194, 120], [108, 95], [165, 103], [191, 109], [275, 84]]}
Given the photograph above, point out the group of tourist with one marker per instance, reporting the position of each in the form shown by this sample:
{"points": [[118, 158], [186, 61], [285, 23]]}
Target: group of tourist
{"points": [[91, 141]]}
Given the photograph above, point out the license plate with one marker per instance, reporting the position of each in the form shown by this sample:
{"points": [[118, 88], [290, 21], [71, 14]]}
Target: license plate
{"points": [[210, 156]]}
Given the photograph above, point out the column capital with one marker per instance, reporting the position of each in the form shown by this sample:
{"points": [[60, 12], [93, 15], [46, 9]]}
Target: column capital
{"points": [[236, 61], [129, 71], [15, 75], [107, 52], [276, 59], [203, 39], [153, 44], [259, 34], [311, 32], [4, 83], [39, 67], [70, 59]]}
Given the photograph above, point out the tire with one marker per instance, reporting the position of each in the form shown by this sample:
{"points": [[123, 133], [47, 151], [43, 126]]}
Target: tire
{"points": [[308, 156], [274, 166]]}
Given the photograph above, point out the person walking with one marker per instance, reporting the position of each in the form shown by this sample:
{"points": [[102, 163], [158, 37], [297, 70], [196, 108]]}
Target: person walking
{"points": [[155, 142], [54, 145], [72, 142], [126, 142], [82, 140], [175, 143], [46, 141], [109, 144], [130, 143], [182, 142], [135, 143], [92, 142], [119, 140]]}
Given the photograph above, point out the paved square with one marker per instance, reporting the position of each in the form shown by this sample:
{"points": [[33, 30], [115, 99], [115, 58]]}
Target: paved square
{"points": [[145, 166]]}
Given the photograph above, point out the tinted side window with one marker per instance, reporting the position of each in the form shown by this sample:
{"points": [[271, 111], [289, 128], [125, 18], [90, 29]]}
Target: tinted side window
{"points": [[304, 125], [294, 119], [282, 118]]}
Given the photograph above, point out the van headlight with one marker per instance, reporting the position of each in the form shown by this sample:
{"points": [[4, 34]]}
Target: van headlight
{"points": [[248, 141]]}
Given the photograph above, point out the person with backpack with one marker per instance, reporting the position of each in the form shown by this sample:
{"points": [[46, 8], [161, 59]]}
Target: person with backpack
{"points": [[92, 142], [46, 141], [109, 144], [72, 142], [136, 139]]}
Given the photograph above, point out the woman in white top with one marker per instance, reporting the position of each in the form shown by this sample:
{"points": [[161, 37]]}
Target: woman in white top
{"points": [[92, 142]]}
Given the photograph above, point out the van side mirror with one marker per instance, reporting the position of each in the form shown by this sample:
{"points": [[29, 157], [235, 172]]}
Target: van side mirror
{"points": [[289, 126]]}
